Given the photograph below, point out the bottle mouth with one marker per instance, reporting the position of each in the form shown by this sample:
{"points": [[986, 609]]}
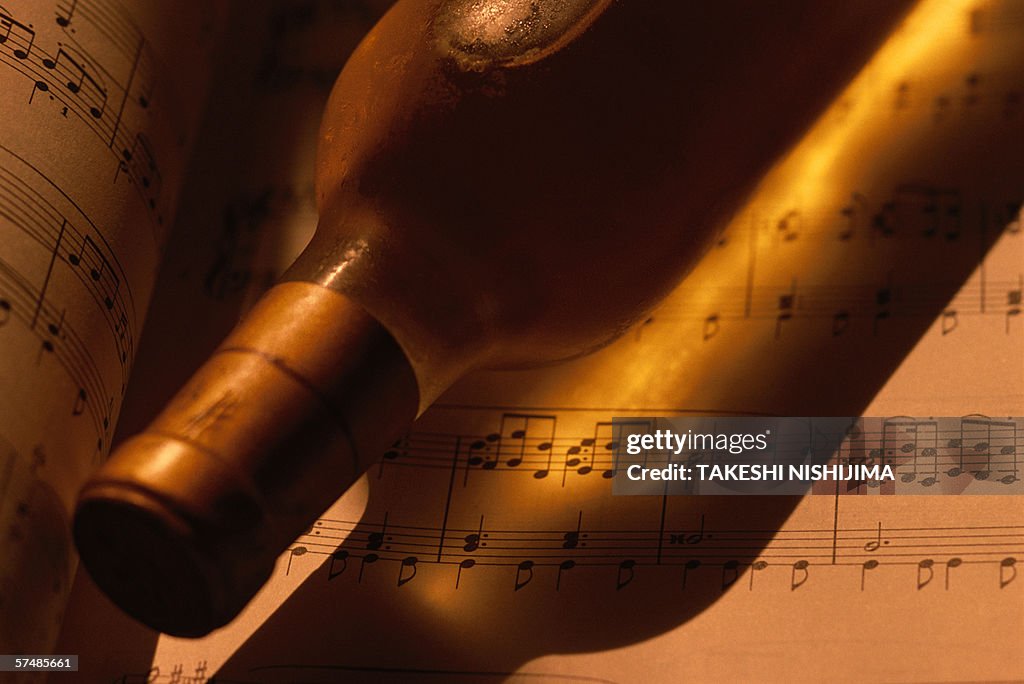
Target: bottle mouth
{"points": [[146, 557], [176, 538], [185, 522]]}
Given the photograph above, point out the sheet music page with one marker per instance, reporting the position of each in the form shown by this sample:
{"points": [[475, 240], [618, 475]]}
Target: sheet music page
{"points": [[98, 116], [876, 271]]}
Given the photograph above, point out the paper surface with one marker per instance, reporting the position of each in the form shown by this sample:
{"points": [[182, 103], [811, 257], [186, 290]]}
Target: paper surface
{"points": [[876, 271], [95, 126]]}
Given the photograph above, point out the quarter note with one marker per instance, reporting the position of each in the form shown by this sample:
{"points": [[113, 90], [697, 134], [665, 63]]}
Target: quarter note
{"points": [[524, 574], [407, 570], [293, 552], [864, 568], [689, 567], [950, 564], [799, 574], [65, 14], [338, 564], [949, 321], [625, 573], [564, 566], [368, 559], [730, 573], [465, 564], [755, 567], [925, 573], [1007, 571]]}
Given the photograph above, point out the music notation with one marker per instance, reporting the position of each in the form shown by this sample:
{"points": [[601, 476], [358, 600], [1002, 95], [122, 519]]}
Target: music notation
{"points": [[877, 270], [112, 99], [928, 455], [708, 548], [95, 134]]}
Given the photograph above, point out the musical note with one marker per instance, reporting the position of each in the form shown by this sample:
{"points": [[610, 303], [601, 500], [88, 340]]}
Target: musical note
{"points": [[465, 564], [755, 567], [925, 573], [524, 574], [18, 36], [89, 257], [950, 564], [64, 15], [730, 573], [375, 540], [948, 321], [368, 559], [877, 542], [1013, 304], [408, 564], [339, 560], [864, 568], [572, 539], [473, 541], [79, 81], [625, 573], [545, 448], [711, 327], [564, 566], [692, 538], [292, 553], [141, 162], [689, 567], [1007, 571], [517, 431], [799, 574]]}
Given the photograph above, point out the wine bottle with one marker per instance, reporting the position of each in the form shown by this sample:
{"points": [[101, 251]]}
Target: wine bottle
{"points": [[500, 183]]}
